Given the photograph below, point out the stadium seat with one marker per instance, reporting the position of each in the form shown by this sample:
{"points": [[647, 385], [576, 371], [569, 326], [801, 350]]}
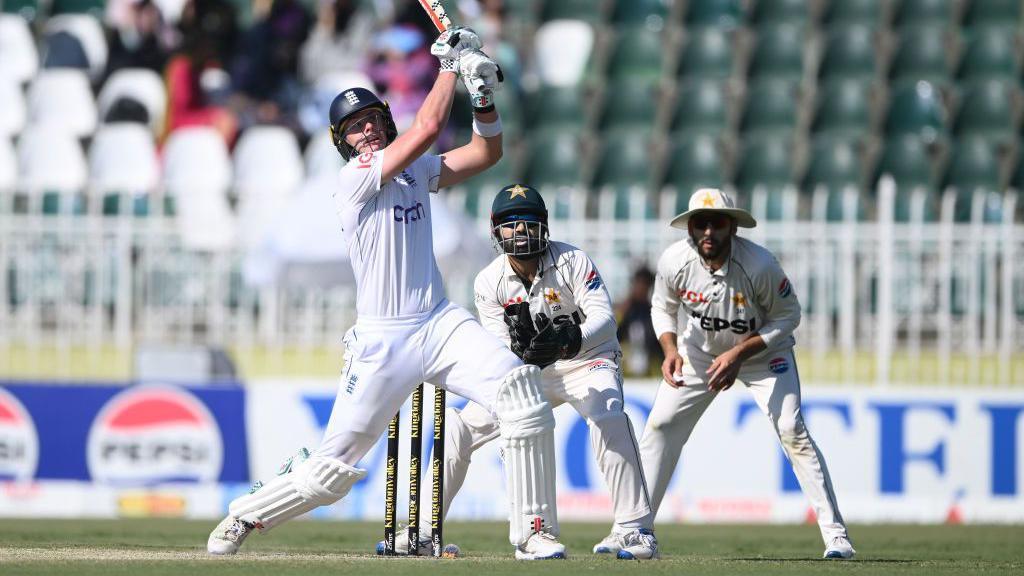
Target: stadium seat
{"points": [[845, 12], [974, 170], [765, 161], [694, 161], [123, 169], [771, 108], [714, 13], [850, 52], [586, 10], [94, 7], [63, 97], [141, 85], [197, 174], [481, 189], [708, 53], [908, 161], [52, 170], [917, 109], [779, 52], [652, 13], [553, 160], [267, 172], [916, 12], [89, 33], [321, 157], [630, 104], [12, 112], [638, 53], [625, 161], [563, 49], [702, 107], [20, 60], [780, 11], [844, 109], [991, 53], [835, 163], [993, 13], [556, 108], [989, 110], [921, 54]]}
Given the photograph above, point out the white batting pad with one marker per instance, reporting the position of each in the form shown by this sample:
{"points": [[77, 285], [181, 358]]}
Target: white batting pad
{"points": [[316, 481], [527, 426]]}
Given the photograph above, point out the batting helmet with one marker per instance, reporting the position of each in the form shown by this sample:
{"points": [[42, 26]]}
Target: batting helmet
{"points": [[521, 210], [348, 103]]}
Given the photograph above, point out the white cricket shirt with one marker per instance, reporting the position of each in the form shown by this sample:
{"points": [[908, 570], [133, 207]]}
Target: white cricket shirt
{"points": [[750, 293], [388, 230], [567, 283]]}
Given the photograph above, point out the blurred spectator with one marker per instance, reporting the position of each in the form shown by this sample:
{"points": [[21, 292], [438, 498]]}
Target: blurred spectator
{"points": [[339, 42], [265, 72], [196, 89], [403, 69], [140, 40], [642, 353], [213, 22]]}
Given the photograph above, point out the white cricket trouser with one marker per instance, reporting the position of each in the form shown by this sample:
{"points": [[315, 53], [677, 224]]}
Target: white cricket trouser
{"points": [[676, 411], [386, 358], [594, 389]]}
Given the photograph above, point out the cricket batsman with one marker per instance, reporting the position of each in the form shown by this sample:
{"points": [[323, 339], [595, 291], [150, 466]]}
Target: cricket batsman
{"points": [[724, 311], [406, 330]]}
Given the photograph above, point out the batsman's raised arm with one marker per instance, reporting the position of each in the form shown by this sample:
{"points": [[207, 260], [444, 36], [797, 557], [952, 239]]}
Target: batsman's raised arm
{"points": [[482, 77]]}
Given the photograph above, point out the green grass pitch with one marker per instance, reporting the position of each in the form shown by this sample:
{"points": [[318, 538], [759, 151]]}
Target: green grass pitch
{"points": [[158, 547]]}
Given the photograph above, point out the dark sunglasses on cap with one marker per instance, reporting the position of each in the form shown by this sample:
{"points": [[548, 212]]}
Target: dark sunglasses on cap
{"points": [[715, 219]]}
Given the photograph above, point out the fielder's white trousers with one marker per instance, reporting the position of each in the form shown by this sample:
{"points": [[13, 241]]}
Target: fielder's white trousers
{"points": [[593, 387], [677, 410]]}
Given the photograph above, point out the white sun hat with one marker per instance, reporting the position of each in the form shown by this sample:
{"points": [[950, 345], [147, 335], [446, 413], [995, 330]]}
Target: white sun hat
{"points": [[713, 200]]}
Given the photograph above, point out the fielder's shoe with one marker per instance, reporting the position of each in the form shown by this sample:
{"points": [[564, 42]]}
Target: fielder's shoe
{"points": [[402, 544], [541, 546], [228, 536], [611, 544], [839, 548], [638, 545]]}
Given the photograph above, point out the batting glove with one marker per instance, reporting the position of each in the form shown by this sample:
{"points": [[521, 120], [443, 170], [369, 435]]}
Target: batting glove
{"points": [[450, 45]]}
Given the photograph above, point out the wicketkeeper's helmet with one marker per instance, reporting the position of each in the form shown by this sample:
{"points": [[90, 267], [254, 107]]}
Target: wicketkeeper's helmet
{"points": [[347, 104], [521, 209]]}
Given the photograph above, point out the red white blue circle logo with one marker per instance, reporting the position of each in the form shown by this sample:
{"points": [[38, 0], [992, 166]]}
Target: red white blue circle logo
{"points": [[153, 434], [19, 442], [778, 365]]}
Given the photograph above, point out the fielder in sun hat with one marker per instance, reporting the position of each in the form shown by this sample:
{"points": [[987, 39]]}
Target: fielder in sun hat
{"points": [[713, 200]]}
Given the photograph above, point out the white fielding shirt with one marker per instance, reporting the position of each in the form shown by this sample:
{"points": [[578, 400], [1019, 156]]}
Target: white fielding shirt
{"points": [[390, 242], [567, 283], [750, 293]]}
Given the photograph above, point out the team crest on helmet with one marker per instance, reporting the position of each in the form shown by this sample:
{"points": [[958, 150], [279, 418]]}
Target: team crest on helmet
{"points": [[517, 190]]}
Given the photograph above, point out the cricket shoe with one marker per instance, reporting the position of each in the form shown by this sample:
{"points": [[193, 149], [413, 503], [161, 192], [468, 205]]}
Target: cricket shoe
{"points": [[541, 546], [611, 544], [402, 544], [839, 548], [639, 544], [228, 536]]}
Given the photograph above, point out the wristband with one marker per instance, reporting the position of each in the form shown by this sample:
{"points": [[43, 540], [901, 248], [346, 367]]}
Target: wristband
{"points": [[487, 129]]}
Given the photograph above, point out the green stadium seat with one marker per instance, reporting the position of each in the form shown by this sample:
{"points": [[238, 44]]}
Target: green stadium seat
{"points": [[695, 161], [553, 159], [630, 104], [714, 13], [780, 11], [779, 52], [921, 55], [842, 12], [989, 110], [480, 189], [771, 107], [993, 12], [973, 164], [555, 108], [702, 107], [586, 10], [835, 163], [908, 161], [652, 13], [915, 12], [916, 109], [850, 52], [625, 161], [638, 53], [844, 109], [707, 53], [992, 53], [27, 9], [96, 7], [765, 161], [1017, 180]]}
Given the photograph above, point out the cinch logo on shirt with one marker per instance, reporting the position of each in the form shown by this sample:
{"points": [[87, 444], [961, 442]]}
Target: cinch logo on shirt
{"points": [[738, 326], [691, 296], [406, 215]]}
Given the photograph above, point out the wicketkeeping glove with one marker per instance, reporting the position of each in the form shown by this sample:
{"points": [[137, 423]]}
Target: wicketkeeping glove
{"points": [[520, 326], [570, 337], [545, 348]]}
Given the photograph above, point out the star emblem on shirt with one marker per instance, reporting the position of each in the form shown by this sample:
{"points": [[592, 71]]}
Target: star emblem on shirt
{"points": [[517, 190], [739, 300]]}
